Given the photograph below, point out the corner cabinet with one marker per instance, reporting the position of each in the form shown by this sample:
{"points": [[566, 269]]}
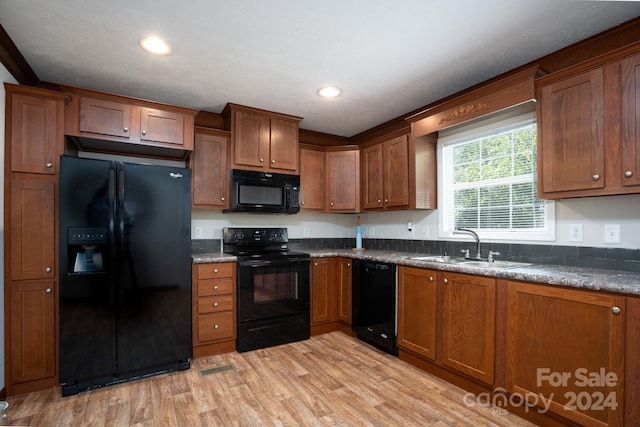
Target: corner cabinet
{"points": [[214, 308], [210, 169], [262, 140], [567, 346], [588, 137], [393, 179], [34, 139]]}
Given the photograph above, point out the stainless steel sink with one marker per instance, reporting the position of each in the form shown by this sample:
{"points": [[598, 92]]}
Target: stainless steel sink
{"points": [[471, 262]]}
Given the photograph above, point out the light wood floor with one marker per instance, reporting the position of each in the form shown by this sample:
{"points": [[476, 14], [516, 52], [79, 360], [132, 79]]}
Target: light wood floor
{"points": [[331, 379]]}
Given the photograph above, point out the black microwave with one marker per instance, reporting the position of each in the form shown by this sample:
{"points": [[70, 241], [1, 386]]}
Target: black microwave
{"points": [[263, 192]]}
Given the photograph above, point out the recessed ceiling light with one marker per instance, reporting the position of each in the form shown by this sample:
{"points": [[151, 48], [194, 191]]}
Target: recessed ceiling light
{"points": [[329, 92], [155, 45]]}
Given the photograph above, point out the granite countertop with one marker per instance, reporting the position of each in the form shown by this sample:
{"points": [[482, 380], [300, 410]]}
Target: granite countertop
{"points": [[576, 277]]}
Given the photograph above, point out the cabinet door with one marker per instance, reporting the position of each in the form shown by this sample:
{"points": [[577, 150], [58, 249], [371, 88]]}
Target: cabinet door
{"points": [[161, 126], [105, 117], [283, 151], [33, 331], [565, 345], [323, 306], [344, 290], [251, 140], [373, 178], [417, 311], [396, 170], [32, 231], [571, 128], [210, 171], [36, 130], [630, 122], [312, 180], [468, 324], [343, 181]]}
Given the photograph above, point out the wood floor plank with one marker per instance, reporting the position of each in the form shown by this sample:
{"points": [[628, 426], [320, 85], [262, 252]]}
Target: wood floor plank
{"points": [[329, 380]]}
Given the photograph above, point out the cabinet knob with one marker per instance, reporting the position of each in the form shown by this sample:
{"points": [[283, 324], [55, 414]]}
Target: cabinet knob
{"points": [[49, 165], [216, 326], [431, 279], [596, 177], [126, 129], [446, 280], [315, 264], [215, 270], [628, 174], [386, 200], [331, 203], [215, 288], [144, 132], [222, 198], [261, 160], [215, 304], [49, 290], [348, 265], [302, 202], [379, 201], [272, 161], [48, 269], [615, 310]]}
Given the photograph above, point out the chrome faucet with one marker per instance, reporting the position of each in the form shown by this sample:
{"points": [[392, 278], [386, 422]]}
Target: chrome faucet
{"points": [[475, 236]]}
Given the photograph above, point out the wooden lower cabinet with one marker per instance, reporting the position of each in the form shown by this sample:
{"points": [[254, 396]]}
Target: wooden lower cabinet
{"points": [[567, 346], [417, 290], [214, 308], [468, 324], [33, 335], [344, 290], [323, 295]]}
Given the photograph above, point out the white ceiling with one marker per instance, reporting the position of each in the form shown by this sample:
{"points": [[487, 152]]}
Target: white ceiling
{"points": [[388, 57]]}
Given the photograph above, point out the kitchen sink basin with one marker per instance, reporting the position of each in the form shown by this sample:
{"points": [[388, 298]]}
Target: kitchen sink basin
{"points": [[471, 262]]}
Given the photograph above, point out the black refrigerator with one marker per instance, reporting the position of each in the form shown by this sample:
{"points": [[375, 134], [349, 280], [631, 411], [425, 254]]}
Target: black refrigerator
{"points": [[125, 271]]}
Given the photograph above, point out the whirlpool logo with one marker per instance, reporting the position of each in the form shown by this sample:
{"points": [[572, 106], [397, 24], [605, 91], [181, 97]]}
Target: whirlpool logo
{"points": [[175, 175]]}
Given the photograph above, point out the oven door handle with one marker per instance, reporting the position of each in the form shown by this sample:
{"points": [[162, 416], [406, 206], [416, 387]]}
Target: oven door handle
{"points": [[271, 262]]}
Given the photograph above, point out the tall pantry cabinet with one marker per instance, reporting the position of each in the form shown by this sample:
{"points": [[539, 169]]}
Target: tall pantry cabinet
{"points": [[34, 140]]}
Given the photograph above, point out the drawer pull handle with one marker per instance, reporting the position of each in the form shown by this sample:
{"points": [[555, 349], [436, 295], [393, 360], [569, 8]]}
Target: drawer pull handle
{"points": [[215, 304], [215, 288], [431, 278], [446, 280], [215, 270], [216, 326]]}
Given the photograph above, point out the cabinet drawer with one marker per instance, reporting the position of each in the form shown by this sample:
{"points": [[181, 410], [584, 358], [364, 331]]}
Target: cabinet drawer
{"points": [[215, 326], [215, 270], [215, 304], [210, 287]]}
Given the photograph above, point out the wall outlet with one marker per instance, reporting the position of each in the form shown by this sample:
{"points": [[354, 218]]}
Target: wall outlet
{"points": [[197, 232], [371, 231], [425, 232], [612, 233], [575, 233], [305, 231]]}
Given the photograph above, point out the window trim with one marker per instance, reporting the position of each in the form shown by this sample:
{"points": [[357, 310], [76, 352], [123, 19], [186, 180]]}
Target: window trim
{"points": [[497, 123]]}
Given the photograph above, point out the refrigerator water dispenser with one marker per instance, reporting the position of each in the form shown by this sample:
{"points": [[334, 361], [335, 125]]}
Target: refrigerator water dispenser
{"points": [[85, 246]]}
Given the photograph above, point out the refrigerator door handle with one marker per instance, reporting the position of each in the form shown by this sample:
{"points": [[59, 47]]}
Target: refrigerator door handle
{"points": [[121, 213], [112, 211]]}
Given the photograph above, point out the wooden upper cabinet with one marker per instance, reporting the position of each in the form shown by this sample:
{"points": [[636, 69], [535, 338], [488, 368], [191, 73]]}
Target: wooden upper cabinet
{"points": [[35, 129], [399, 173], [343, 181], [468, 324], [262, 140], [32, 231], [312, 180], [100, 121], [564, 344], [571, 133], [210, 169], [417, 290], [104, 117], [630, 123]]}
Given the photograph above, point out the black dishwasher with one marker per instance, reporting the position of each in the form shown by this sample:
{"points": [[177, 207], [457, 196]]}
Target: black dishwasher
{"points": [[374, 303]]}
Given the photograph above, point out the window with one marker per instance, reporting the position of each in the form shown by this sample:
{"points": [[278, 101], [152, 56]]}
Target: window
{"points": [[488, 180]]}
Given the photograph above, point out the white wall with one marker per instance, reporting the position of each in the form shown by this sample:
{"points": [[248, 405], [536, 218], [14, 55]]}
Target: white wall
{"points": [[5, 77], [593, 213]]}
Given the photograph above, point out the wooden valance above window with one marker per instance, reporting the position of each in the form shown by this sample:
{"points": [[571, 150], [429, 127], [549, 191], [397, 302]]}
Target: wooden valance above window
{"points": [[496, 96]]}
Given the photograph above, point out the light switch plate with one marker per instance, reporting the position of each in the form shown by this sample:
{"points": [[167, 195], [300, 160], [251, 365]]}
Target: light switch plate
{"points": [[305, 231], [197, 232], [612, 233], [576, 233]]}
